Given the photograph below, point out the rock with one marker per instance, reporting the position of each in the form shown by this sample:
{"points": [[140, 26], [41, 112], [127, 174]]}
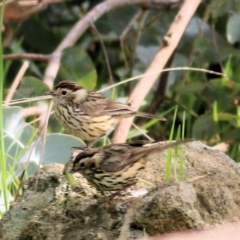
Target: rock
{"points": [[208, 195]]}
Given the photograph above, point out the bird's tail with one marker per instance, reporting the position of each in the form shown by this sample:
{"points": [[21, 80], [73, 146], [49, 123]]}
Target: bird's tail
{"points": [[149, 115], [152, 149], [163, 146]]}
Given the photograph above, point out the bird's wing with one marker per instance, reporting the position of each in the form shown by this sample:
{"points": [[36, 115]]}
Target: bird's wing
{"points": [[118, 108], [97, 105], [115, 157], [94, 104]]}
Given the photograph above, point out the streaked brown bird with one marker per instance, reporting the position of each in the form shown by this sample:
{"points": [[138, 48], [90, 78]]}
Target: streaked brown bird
{"points": [[116, 166], [89, 115]]}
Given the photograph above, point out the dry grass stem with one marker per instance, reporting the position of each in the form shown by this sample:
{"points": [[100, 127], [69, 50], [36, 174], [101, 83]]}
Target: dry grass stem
{"points": [[16, 82]]}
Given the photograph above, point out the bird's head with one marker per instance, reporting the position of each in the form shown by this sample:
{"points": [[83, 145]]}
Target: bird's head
{"points": [[68, 91], [85, 162]]}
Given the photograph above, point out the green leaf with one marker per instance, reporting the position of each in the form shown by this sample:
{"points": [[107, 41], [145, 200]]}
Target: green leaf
{"points": [[18, 135], [77, 66], [231, 118], [233, 35], [38, 35], [222, 7], [15, 127], [118, 19], [203, 127], [58, 148], [191, 88], [30, 87]]}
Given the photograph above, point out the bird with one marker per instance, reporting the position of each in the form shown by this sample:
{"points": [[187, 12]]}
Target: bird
{"points": [[87, 114], [115, 167]]}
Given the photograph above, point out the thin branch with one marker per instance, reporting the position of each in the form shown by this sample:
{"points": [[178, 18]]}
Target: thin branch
{"points": [[104, 52], [123, 35], [143, 133], [96, 32], [16, 82], [82, 25], [159, 72], [27, 100], [40, 110], [171, 40], [159, 94], [34, 2], [142, 20], [216, 48], [44, 113], [28, 56], [43, 135]]}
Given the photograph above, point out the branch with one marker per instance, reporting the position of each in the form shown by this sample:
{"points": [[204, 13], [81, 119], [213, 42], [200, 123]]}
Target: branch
{"points": [[82, 25], [16, 82], [28, 56], [171, 40], [41, 111]]}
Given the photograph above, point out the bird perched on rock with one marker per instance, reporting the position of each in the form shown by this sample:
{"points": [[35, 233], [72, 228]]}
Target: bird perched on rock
{"points": [[89, 115], [116, 166]]}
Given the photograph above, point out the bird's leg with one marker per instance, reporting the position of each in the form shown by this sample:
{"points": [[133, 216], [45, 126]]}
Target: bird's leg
{"points": [[94, 141], [88, 145], [109, 198], [119, 193]]}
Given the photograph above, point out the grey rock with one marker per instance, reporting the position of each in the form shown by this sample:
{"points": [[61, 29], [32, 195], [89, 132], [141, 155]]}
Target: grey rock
{"points": [[206, 193]]}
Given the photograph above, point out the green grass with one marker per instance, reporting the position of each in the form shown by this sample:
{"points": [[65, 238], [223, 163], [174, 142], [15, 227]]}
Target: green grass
{"points": [[169, 151], [4, 187], [182, 162], [178, 152]]}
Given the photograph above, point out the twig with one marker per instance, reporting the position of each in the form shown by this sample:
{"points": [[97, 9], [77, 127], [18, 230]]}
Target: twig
{"points": [[123, 35], [34, 2], [29, 56], [142, 20], [32, 148], [216, 48], [43, 134], [104, 52], [82, 25], [159, 94], [161, 71], [128, 218], [192, 54], [27, 100], [171, 41], [143, 133], [16, 82], [40, 111]]}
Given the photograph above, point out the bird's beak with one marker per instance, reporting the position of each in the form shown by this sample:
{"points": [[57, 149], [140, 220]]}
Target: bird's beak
{"points": [[68, 168], [48, 93]]}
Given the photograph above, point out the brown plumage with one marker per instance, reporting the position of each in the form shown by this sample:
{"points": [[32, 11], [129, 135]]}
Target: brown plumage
{"points": [[89, 115], [116, 166]]}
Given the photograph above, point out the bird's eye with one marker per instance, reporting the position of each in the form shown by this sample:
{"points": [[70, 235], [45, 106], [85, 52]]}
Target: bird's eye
{"points": [[64, 92], [92, 165], [82, 165]]}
